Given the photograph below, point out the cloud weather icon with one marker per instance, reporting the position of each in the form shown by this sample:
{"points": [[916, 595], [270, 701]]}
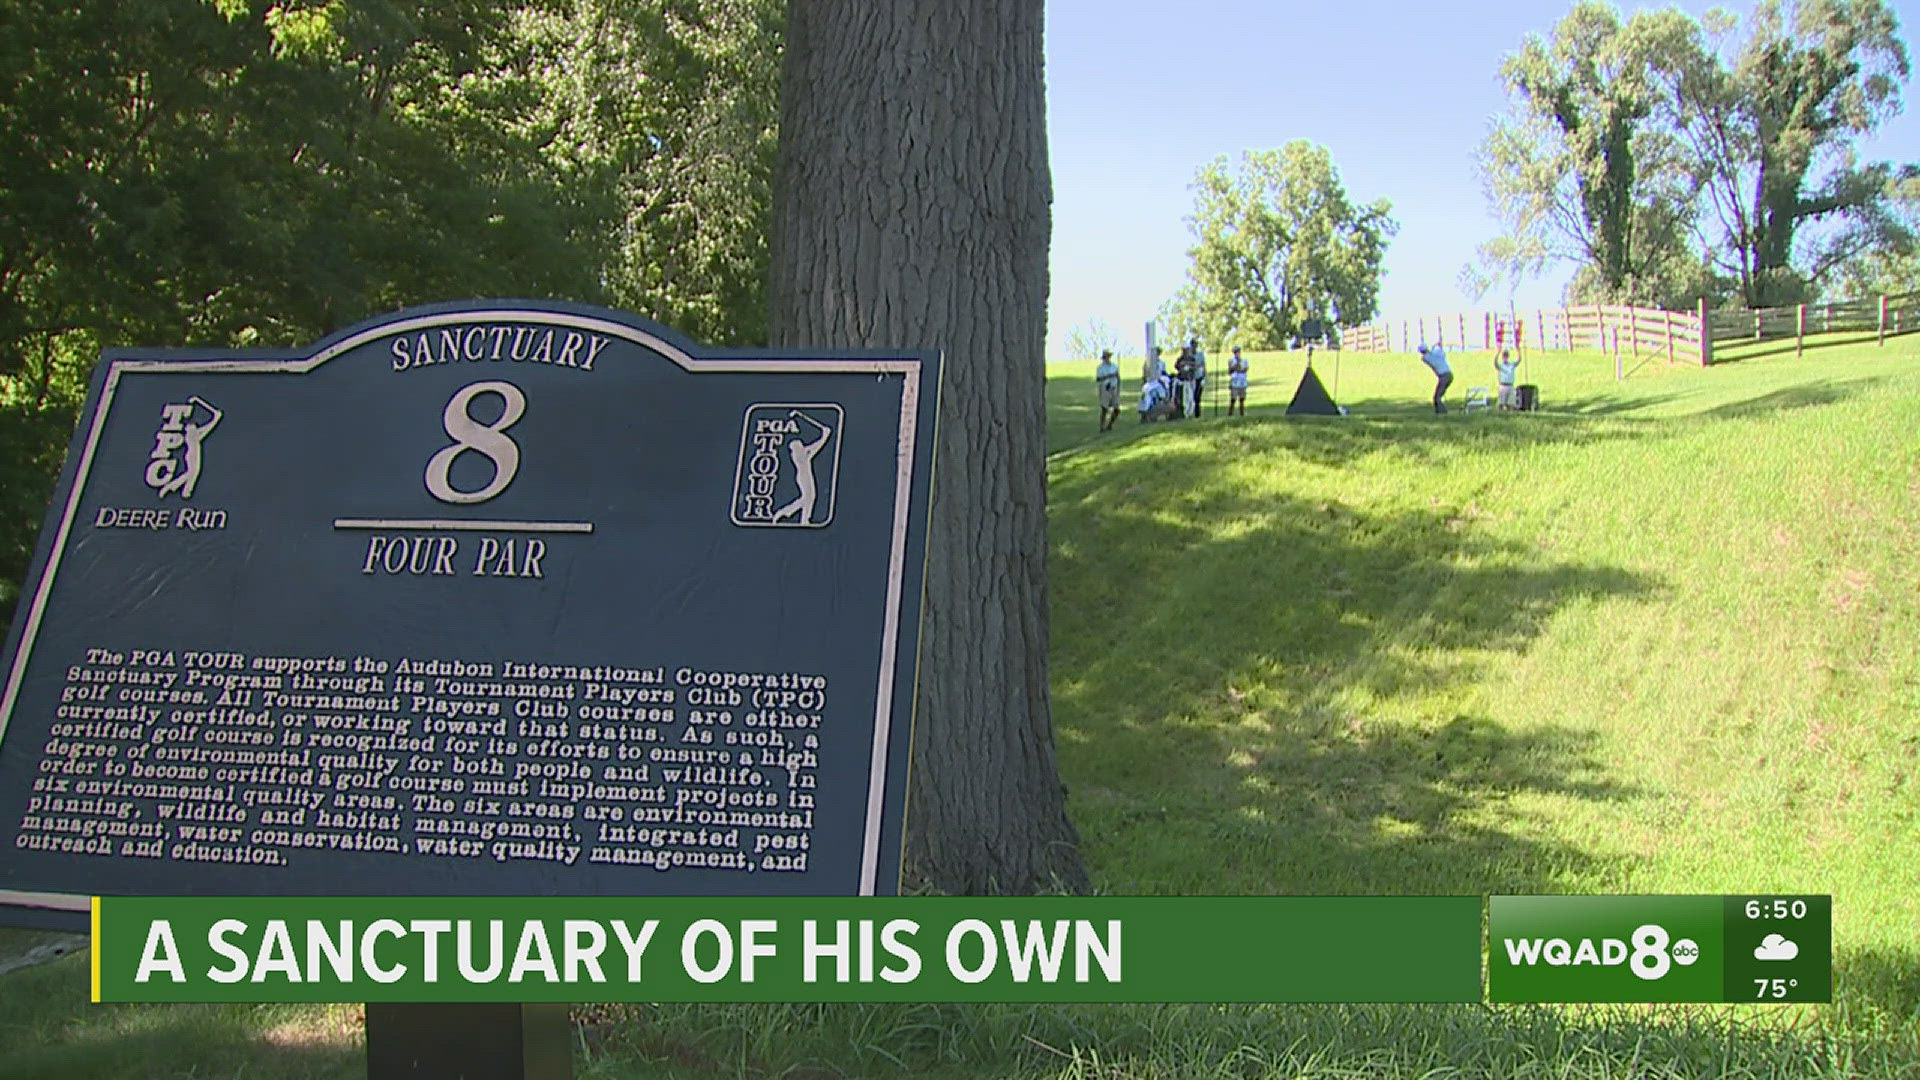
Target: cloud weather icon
{"points": [[1775, 947]]}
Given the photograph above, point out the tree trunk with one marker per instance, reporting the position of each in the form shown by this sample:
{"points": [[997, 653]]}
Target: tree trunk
{"points": [[912, 209]]}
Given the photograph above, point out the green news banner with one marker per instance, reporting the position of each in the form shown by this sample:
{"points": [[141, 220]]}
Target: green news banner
{"points": [[1760, 948], [584, 949]]}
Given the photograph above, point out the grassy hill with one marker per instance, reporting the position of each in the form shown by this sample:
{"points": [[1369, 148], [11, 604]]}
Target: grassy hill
{"points": [[1659, 637], [1656, 639]]}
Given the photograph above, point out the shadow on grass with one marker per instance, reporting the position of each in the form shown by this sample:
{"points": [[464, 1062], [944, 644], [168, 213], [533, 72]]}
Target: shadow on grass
{"points": [[1804, 395], [1412, 430], [1223, 664], [1409, 430], [1597, 405], [1322, 1042], [48, 1029], [1883, 984]]}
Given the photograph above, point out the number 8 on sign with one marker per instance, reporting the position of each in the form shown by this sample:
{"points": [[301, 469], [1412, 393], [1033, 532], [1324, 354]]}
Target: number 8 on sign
{"points": [[489, 439]]}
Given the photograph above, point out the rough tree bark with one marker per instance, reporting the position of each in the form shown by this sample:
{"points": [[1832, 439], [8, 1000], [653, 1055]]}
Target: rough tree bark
{"points": [[912, 209]]}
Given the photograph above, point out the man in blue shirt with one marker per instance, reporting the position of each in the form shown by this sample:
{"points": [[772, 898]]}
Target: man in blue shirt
{"points": [[1436, 358]]}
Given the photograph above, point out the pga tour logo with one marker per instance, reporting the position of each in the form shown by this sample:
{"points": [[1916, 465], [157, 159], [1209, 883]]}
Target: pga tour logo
{"points": [[789, 462], [175, 462], [1653, 953]]}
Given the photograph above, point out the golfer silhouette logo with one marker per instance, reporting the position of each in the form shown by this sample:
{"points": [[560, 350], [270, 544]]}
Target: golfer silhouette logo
{"points": [[789, 461], [175, 462]]}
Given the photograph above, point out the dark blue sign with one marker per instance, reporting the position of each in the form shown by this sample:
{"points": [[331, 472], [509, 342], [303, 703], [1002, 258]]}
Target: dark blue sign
{"points": [[490, 599]]}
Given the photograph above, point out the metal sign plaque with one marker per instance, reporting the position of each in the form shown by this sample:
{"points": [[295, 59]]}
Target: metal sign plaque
{"points": [[475, 599]]}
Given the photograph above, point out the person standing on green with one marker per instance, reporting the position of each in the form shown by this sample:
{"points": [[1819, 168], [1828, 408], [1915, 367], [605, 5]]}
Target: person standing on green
{"points": [[1106, 379], [1199, 374], [1436, 360], [1237, 383]]}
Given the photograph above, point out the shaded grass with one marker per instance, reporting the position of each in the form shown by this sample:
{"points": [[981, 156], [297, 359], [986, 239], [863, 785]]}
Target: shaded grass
{"points": [[48, 1029], [1301, 1041], [1656, 638]]}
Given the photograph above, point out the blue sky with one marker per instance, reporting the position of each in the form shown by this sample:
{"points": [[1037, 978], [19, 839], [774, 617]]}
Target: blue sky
{"points": [[1141, 95]]}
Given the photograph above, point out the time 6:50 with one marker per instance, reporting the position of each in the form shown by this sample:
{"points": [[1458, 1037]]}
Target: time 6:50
{"points": [[1776, 909]]}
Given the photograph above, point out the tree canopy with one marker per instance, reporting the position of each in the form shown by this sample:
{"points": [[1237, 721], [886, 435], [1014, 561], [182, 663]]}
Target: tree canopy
{"points": [[1577, 169], [1277, 242], [1775, 124], [1670, 158], [233, 173]]}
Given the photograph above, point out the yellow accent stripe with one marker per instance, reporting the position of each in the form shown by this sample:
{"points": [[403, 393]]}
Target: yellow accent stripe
{"points": [[94, 947]]}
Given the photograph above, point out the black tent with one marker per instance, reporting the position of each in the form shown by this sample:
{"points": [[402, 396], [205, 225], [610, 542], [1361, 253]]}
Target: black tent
{"points": [[1311, 399]]}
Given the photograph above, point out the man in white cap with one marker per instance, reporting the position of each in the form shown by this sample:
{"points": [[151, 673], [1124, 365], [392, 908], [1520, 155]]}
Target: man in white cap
{"points": [[1436, 358], [1106, 379]]}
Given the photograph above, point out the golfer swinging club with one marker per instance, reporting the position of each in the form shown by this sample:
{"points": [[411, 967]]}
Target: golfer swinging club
{"points": [[1436, 358], [803, 455]]}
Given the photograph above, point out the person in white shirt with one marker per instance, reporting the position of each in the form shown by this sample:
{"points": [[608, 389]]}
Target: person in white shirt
{"points": [[1199, 374], [1436, 359], [1106, 380], [1237, 383], [1154, 367], [1153, 398], [1506, 367]]}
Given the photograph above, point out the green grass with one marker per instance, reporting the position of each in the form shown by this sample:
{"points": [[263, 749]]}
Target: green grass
{"points": [[1659, 637]]}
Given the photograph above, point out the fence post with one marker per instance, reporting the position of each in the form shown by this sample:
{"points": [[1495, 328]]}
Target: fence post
{"points": [[1668, 320], [1756, 323], [1633, 328], [1617, 375], [1800, 330], [1463, 330], [1883, 320], [1706, 334]]}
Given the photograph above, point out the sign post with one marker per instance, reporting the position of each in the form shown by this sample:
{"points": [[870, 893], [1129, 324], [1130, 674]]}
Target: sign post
{"points": [[483, 599]]}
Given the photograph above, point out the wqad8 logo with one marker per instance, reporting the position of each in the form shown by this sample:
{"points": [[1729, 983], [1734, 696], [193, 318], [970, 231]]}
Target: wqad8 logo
{"points": [[1649, 952]]}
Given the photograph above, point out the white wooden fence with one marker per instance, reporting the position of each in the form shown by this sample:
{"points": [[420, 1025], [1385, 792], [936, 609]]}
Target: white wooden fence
{"points": [[1639, 333], [1636, 331]]}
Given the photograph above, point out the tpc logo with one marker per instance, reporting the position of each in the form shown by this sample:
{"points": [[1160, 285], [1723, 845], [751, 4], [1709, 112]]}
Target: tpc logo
{"points": [[175, 462], [789, 461]]}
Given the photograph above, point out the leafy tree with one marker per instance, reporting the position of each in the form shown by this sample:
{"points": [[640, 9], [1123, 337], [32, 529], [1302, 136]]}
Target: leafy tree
{"points": [[1579, 168], [247, 172], [1891, 263], [1276, 242], [911, 208], [1775, 129], [184, 172], [674, 104]]}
